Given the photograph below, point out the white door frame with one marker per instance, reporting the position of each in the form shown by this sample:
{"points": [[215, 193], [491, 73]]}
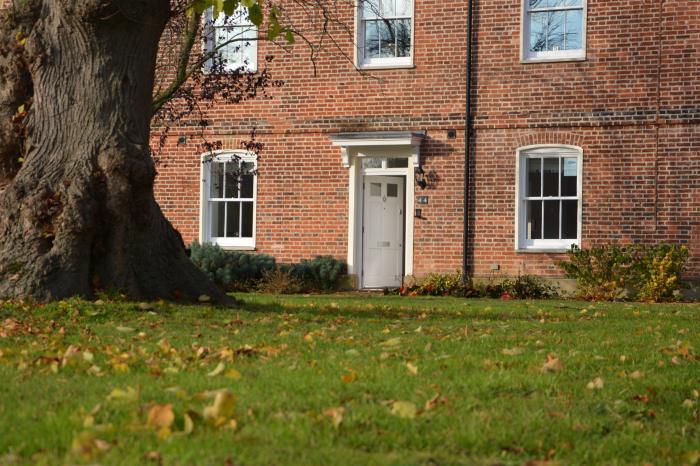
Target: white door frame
{"points": [[356, 201]]}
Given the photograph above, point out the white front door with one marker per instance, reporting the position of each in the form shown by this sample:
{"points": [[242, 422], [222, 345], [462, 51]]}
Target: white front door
{"points": [[383, 236]]}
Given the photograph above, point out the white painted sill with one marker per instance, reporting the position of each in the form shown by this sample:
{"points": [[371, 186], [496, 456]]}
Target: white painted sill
{"points": [[238, 248], [386, 67], [528, 61], [541, 251]]}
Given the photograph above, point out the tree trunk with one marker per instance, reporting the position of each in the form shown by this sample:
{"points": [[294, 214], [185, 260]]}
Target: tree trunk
{"points": [[80, 215]]}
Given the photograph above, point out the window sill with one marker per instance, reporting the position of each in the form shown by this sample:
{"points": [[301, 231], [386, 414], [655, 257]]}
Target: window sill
{"points": [[238, 248], [385, 67], [527, 61], [244, 71], [542, 251]]}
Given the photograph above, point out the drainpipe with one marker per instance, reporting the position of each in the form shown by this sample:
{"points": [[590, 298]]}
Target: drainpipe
{"points": [[467, 145]]}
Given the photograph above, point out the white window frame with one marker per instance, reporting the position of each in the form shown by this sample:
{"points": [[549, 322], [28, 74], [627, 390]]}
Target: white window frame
{"points": [[252, 44], [523, 244], [243, 243], [381, 62], [526, 56]]}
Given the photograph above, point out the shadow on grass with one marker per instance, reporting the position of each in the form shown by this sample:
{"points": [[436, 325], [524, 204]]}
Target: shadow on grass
{"points": [[410, 311]]}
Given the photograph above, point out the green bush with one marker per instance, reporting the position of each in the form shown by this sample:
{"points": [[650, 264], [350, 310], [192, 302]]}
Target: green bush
{"points": [[231, 270], [321, 273], [441, 284], [601, 272], [610, 272]]}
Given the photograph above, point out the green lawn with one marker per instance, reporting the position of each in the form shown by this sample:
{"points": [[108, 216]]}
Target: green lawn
{"points": [[332, 380]]}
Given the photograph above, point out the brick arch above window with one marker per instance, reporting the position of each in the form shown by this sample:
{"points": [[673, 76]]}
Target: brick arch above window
{"points": [[543, 138]]}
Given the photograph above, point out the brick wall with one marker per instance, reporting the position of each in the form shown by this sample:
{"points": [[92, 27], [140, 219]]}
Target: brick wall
{"points": [[633, 107], [302, 184]]}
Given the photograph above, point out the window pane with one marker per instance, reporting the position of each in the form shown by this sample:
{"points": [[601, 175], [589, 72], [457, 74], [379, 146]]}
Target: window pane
{"points": [[229, 39], [375, 189], [555, 30], [387, 38], [216, 184], [403, 7], [249, 51], [392, 190], [396, 163], [569, 219], [247, 220], [371, 39], [231, 180], [388, 8], [574, 23], [538, 35], [233, 219], [372, 162], [247, 180], [370, 8], [403, 37], [569, 177], [534, 177], [551, 219], [551, 177], [534, 219], [218, 212], [538, 4]]}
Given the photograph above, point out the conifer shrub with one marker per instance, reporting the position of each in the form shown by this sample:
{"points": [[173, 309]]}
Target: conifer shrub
{"points": [[231, 270], [323, 273]]}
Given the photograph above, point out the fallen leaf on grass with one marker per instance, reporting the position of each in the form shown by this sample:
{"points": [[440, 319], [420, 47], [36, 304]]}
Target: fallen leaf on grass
{"points": [[553, 364], [124, 329], [595, 384], [127, 395], [336, 415], [222, 410], [218, 370], [349, 377], [87, 446], [434, 402], [391, 342], [232, 374], [689, 404], [161, 415], [412, 369], [404, 409], [512, 351]]}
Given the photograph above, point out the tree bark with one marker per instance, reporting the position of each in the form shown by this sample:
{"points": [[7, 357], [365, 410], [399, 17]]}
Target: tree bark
{"points": [[80, 215]]}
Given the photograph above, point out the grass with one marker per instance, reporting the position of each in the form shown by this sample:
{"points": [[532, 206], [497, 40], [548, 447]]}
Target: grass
{"points": [[351, 380]]}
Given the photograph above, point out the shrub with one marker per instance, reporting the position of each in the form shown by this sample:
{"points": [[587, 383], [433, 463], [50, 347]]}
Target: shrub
{"points": [[658, 270], [231, 270], [438, 284], [649, 273], [527, 287], [601, 272], [321, 273], [280, 281]]}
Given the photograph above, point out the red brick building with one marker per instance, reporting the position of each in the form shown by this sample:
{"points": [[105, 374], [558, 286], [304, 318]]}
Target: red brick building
{"points": [[586, 129]]}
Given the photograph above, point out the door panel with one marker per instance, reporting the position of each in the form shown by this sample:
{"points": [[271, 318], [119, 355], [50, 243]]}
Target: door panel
{"points": [[383, 225]]}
